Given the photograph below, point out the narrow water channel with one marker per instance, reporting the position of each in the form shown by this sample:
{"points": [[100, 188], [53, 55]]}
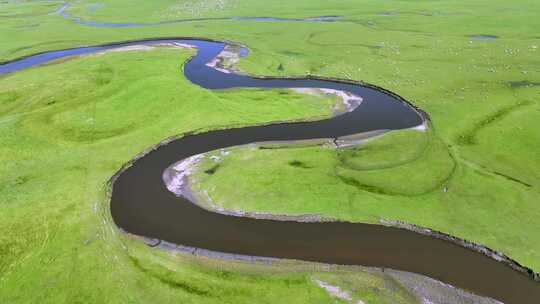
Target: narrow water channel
{"points": [[62, 11]]}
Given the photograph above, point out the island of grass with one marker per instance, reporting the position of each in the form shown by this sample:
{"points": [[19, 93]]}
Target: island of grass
{"points": [[68, 126]]}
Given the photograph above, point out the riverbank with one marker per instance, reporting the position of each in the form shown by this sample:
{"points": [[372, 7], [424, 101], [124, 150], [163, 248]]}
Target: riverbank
{"points": [[349, 283], [216, 169]]}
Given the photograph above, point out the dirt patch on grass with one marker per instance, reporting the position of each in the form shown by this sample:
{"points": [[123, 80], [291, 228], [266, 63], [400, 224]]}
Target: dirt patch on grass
{"points": [[349, 101], [227, 60]]}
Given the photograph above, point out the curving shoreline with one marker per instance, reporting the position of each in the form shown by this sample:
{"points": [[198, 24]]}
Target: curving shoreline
{"points": [[493, 254], [185, 190], [169, 148]]}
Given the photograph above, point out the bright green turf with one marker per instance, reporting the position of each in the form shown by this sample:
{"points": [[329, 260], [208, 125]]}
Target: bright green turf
{"points": [[64, 135], [105, 109], [469, 87], [403, 175]]}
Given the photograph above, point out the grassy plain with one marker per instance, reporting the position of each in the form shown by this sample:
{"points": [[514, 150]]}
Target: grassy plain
{"points": [[66, 128], [65, 134]]}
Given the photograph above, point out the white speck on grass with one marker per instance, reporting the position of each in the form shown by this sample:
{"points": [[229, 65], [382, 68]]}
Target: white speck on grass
{"points": [[427, 301], [196, 8], [334, 290], [337, 292], [421, 128]]}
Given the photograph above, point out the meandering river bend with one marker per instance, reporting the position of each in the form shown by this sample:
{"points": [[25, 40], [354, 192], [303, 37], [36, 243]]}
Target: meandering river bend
{"points": [[142, 205]]}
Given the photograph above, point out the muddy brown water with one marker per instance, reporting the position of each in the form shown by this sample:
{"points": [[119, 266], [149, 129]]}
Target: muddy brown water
{"points": [[142, 205]]}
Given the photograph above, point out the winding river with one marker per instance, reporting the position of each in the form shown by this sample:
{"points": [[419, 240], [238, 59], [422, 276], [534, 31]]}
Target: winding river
{"points": [[142, 205], [62, 11]]}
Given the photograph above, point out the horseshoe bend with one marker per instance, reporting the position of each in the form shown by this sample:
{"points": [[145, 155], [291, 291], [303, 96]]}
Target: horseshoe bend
{"points": [[160, 214], [141, 204], [187, 196]]}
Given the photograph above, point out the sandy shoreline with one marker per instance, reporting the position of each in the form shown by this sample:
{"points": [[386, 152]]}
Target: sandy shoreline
{"points": [[177, 178], [349, 101], [227, 59]]}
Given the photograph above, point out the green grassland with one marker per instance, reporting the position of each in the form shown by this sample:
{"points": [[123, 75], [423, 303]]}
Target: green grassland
{"points": [[65, 134], [405, 175], [66, 128]]}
